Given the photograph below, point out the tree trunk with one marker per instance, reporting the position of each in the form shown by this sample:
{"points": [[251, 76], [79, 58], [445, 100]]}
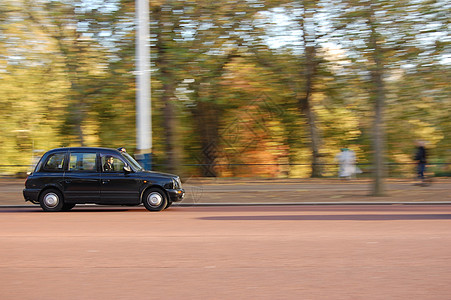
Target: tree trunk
{"points": [[78, 124], [172, 157], [172, 160], [206, 116], [315, 141], [305, 107], [378, 94], [167, 76]]}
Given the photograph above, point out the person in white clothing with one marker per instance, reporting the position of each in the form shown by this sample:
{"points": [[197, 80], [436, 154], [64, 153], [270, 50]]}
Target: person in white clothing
{"points": [[346, 160]]}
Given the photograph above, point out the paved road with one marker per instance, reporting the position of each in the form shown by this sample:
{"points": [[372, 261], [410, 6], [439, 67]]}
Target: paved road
{"points": [[241, 252]]}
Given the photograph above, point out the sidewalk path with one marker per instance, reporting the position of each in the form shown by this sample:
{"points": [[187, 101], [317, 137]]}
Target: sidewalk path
{"points": [[278, 191]]}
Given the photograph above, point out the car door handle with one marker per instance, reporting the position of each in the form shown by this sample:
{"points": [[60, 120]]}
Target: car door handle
{"points": [[105, 181], [68, 181]]}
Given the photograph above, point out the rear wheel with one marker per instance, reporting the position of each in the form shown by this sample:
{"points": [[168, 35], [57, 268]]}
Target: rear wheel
{"points": [[51, 200], [155, 200]]}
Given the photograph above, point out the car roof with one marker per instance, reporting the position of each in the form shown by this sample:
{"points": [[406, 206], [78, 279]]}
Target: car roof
{"points": [[85, 149]]}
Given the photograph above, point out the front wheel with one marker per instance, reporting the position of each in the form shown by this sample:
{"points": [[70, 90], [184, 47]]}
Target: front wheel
{"points": [[168, 205], [155, 200], [51, 200], [68, 206]]}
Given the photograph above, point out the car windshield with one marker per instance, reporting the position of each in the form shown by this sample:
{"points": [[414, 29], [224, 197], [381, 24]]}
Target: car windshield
{"points": [[133, 163]]}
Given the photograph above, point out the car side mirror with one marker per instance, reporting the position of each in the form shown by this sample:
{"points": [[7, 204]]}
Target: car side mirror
{"points": [[127, 169]]}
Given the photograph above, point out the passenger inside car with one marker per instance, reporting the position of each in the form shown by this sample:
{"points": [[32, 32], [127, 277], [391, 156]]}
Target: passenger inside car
{"points": [[109, 164]]}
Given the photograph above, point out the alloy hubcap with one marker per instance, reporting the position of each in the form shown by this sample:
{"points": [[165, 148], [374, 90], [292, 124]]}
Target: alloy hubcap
{"points": [[154, 199], [51, 200]]}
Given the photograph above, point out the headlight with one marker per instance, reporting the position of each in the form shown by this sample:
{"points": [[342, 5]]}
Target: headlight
{"points": [[177, 184]]}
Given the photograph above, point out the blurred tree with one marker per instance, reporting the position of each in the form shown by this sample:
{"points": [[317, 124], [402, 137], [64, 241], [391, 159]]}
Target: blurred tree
{"points": [[75, 28], [381, 39], [112, 108], [419, 102], [213, 34], [331, 71], [302, 66], [32, 93], [307, 21]]}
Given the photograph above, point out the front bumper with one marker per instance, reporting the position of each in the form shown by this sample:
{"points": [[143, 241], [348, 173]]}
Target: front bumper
{"points": [[176, 195]]}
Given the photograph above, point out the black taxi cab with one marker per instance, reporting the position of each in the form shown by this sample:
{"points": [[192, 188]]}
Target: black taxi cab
{"points": [[65, 177]]}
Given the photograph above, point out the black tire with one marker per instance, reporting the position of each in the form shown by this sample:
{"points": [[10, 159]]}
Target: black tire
{"points": [[68, 206], [51, 200], [155, 200], [168, 205]]}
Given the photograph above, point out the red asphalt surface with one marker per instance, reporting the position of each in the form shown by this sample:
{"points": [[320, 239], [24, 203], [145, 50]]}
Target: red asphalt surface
{"points": [[243, 252]]}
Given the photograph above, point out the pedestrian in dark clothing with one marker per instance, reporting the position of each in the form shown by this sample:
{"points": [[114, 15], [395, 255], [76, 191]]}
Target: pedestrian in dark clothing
{"points": [[420, 158]]}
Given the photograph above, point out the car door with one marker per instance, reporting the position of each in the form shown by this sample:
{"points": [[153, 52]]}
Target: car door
{"points": [[82, 178], [117, 186]]}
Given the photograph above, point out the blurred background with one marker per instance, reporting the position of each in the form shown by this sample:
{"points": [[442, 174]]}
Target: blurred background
{"points": [[239, 88]]}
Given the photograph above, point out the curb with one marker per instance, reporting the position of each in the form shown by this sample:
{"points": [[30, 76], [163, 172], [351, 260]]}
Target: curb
{"points": [[257, 204], [314, 203]]}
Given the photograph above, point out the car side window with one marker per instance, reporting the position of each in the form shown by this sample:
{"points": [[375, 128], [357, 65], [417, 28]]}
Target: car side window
{"points": [[55, 163], [112, 163], [82, 162]]}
